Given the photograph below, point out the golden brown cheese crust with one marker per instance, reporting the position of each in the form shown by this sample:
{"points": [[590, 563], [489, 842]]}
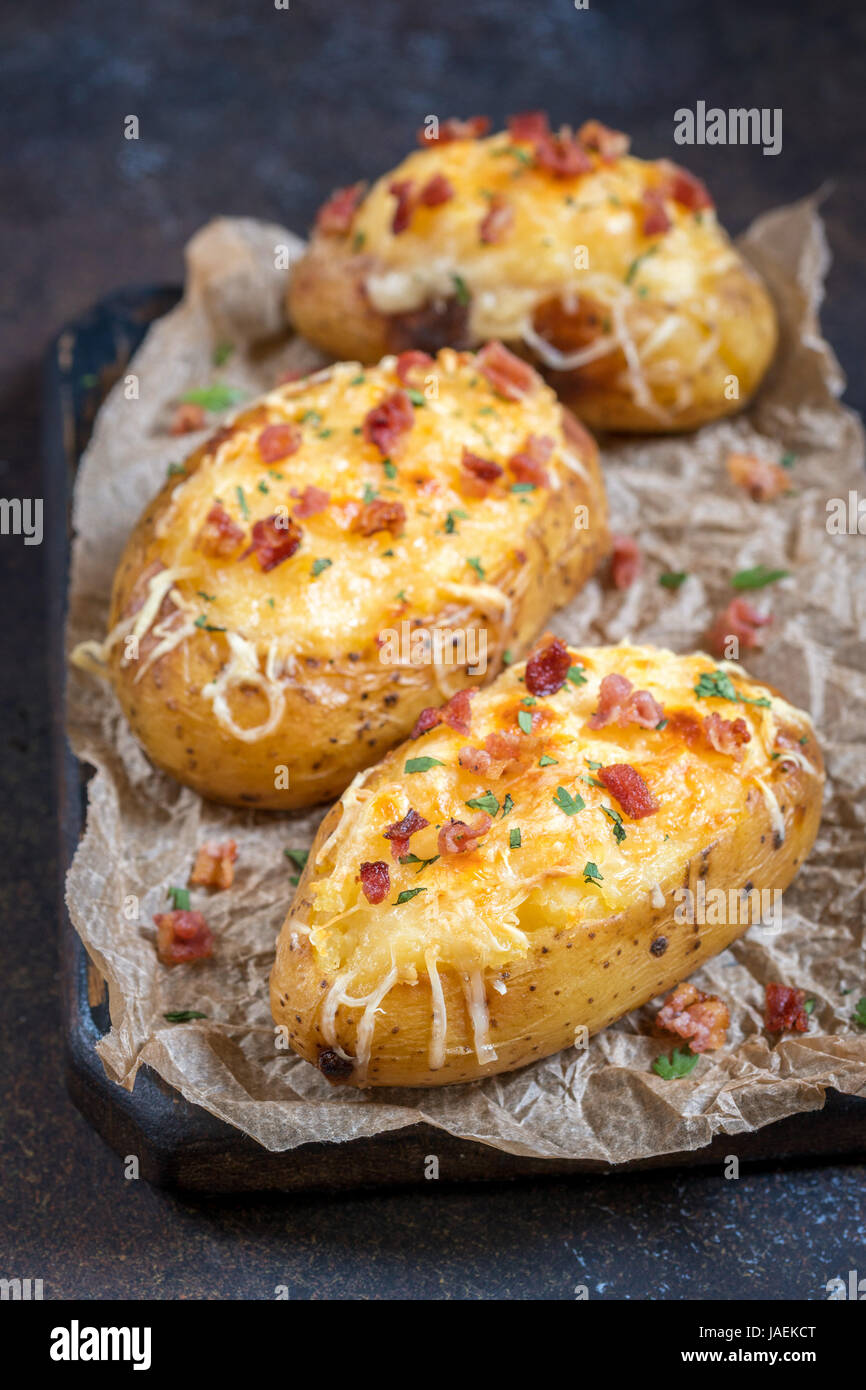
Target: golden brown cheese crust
{"points": [[618, 279], [270, 686], [574, 920]]}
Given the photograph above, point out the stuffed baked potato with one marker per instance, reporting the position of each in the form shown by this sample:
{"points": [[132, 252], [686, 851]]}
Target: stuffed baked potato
{"points": [[342, 554], [611, 272], [521, 869]]}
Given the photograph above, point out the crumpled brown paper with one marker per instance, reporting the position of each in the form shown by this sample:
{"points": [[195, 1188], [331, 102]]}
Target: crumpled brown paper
{"points": [[143, 829]]}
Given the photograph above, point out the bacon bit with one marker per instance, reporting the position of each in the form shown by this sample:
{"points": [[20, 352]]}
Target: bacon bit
{"points": [[508, 375], [761, 479], [475, 760], [387, 421], [529, 126], [684, 188], [701, 1018], [456, 713], [625, 563], [215, 865], [182, 937], [218, 437], [740, 620], [219, 535], [401, 832], [375, 880], [427, 720], [311, 501], [186, 418], [547, 667], [279, 441], [609, 144], [497, 220], [455, 129], [408, 361], [655, 218], [619, 703], [480, 474], [627, 786], [527, 465], [379, 515], [335, 216], [783, 1011], [436, 190], [402, 191], [726, 735], [561, 154], [274, 540], [456, 837]]}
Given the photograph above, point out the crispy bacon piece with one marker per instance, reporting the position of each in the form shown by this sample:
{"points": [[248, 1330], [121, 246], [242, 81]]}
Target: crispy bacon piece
{"points": [[625, 561], [479, 474], [456, 713], [404, 206], [497, 220], [401, 832], [219, 535], [627, 786], [379, 515], [438, 189], [527, 465], [335, 216], [186, 418], [508, 375], [609, 144], [274, 540], [455, 129], [528, 125], [547, 667], [409, 362], [783, 1010], [427, 720], [456, 837], [740, 620], [311, 501], [182, 937], [684, 188], [279, 441], [561, 154], [726, 735], [501, 748], [214, 865], [388, 421], [761, 479], [655, 218], [702, 1019], [619, 704], [375, 880]]}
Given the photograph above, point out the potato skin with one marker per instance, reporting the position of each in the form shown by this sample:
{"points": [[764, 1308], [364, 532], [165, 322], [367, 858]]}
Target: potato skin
{"points": [[581, 975], [343, 708], [726, 322]]}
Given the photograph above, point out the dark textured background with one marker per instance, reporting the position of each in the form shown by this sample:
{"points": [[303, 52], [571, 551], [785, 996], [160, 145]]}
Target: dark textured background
{"points": [[246, 109]]}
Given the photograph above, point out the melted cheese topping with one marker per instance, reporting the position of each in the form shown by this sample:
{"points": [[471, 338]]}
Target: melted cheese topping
{"points": [[478, 910]]}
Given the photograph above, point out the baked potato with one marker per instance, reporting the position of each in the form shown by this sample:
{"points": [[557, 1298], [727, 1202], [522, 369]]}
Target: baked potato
{"points": [[611, 272], [534, 863], [338, 557]]}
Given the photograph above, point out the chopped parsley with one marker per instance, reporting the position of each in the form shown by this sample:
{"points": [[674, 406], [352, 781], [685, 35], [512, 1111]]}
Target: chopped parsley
{"points": [[461, 289], [416, 397], [179, 898], [476, 564], [208, 598], [507, 657], [568, 803], [320, 564], [524, 719], [311, 417], [358, 380], [616, 821], [859, 1014], [507, 805], [575, 675], [407, 894], [413, 859], [370, 493], [757, 577], [242, 503], [216, 397], [514, 839], [262, 486], [546, 761], [594, 766], [221, 353], [299, 858], [591, 873], [809, 1005], [390, 469], [672, 579], [680, 1063], [183, 1015], [788, 460], [523, 487], [174, 470], [202, 622], [636, 264], [717, 685], [358, 240], [487, 802], [423, 764]]}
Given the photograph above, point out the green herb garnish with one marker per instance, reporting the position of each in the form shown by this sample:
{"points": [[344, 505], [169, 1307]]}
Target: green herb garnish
{"points": [[524, 719], [321, 564], [672, 579], [476, 564], [179, 898], [591, 873], [757, 577], [407, 894], [514, 838], [487, 802], [183, 1015], [568, 803], [717, 685], [422, 764], [216, 397], [680, 1063]]}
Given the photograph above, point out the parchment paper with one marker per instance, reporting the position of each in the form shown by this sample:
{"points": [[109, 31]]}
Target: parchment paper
{"points": [[674, 495]]}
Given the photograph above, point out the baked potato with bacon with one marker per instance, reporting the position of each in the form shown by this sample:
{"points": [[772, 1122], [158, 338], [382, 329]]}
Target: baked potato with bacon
{"points": [[610, 272], [531, 864], [339, 556]]}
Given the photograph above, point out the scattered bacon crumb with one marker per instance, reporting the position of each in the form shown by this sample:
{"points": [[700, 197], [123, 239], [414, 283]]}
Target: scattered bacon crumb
{"points": [[497, 220], [701, 1018], [561, 154], [762, 479], [655, 218], [214, 865], [619, 703], [501, 749], [456, 713], [609, 144], [335, 216], [407, 362], [404, 206], [182, 937], [375, 880], [219, 535], [311, 501], [456, 837], [627, 786], [684, 188], [547, 667], [508, 375], [783, 1011], [274, 540], [279, 441], [438, 189], [455, 129], [527, 465], [625, 563], [726, 735], [379, 515], [478, 474], [186, 418], [740, 620], [388, 421], [402, 831]]}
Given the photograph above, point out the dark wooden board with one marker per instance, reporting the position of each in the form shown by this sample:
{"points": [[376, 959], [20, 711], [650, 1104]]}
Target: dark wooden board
{"points": [[179, 1144]]}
